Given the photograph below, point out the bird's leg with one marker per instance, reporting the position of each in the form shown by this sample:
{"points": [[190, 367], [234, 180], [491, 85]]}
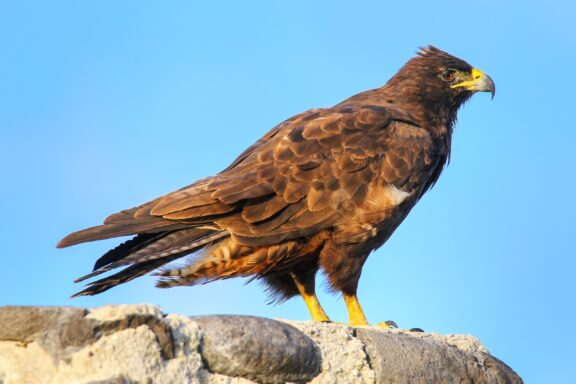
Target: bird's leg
{"points": [[356, 316], [308, 292]]}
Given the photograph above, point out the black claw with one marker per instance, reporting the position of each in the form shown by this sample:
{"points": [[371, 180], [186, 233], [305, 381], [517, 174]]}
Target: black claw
{"points": [[416, 330], [391, 324]]}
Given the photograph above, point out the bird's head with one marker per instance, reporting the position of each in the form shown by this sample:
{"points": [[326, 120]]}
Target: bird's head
{"points": [[436, 84], [439, 75], [455, 73]]}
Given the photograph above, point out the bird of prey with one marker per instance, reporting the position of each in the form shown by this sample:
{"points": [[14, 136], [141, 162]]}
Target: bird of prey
{"points": [[321, 190]]}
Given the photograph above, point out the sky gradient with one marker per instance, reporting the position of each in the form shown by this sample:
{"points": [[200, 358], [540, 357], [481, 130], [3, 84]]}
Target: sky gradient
{"points": [[106, 105]]}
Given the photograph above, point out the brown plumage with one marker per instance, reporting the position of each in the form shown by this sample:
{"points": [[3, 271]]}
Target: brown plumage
{"points": [[321, 190]]}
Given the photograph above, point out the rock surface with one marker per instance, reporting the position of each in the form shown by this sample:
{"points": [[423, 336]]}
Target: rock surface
{"points": [[284, 354], [139, 344]]}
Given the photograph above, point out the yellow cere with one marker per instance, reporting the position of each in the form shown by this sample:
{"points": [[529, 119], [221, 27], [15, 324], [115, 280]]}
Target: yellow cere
{"points": [[476, 75]]}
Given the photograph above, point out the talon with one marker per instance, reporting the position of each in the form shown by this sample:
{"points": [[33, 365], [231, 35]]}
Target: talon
{"points": [[388, 324], [415, 330], [391, 324]]}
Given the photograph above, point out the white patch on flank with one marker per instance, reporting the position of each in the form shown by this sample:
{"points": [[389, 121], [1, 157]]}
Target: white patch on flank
{"points": [[395, 194]]}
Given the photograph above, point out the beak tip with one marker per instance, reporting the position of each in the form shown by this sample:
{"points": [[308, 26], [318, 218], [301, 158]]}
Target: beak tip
{"points": [[492, 86], [489, 86]]}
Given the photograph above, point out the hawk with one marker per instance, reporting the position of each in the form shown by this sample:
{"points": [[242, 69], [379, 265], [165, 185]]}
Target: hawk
{"points": [[321, 190]]}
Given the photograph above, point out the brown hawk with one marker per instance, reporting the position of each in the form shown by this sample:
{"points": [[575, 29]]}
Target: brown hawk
{"points": [[321, 190]]}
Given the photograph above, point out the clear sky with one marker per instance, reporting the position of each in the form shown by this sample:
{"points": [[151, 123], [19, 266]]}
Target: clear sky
{"points": [[106, 104]]}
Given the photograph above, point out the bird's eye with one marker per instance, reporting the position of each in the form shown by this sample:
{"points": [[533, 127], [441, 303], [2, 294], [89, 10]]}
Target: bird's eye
{"points": [[447, 75]]}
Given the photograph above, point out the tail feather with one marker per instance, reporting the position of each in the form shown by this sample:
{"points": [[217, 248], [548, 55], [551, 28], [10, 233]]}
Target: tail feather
{"points": [[186, 240], [147, 252], [126, 248], [123, 276], [107, 231]]}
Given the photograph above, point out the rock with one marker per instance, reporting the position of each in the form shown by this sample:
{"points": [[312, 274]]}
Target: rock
{"points": [[139, 344], [124, 344], [58, 330], [402, 358], [256, 348], [344, 359]]}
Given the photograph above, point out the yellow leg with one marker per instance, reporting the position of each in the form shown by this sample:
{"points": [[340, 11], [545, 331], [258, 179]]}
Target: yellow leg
{"points": [[356, 315], [311, 300]]}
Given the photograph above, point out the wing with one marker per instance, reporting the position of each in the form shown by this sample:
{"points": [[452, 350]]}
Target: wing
{"points": [[408, 166], [300, 178], [194, 201]]}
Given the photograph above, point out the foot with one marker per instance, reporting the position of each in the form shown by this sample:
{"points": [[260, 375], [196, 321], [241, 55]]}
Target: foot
{"points": [[392, 325], [389, 324]]}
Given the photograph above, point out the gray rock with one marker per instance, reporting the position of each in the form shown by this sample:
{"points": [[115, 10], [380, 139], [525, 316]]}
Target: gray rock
{"points": [[403, 358], [259, 349], [63, 330], [113, 344], [344, 359], [114, 380], [124, 344], [58, 330]]}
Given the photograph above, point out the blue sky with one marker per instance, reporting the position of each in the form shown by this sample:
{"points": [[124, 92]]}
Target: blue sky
{"points": [[105, 105]]}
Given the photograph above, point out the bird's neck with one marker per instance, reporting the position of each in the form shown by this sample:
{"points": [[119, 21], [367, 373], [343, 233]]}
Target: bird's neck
{"points": [[436, 116]]}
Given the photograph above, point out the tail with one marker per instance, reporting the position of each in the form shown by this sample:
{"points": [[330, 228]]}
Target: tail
{"points": [[106, 231], [146, 252]]}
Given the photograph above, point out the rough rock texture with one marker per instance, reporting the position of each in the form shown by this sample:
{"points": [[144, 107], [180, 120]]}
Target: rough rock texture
{"points": [[284, 355], [344, 358], [139, 344], [403, 358]]}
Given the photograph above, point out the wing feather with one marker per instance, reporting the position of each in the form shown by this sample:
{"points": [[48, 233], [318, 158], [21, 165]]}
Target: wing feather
{"points": [[294, 180]]}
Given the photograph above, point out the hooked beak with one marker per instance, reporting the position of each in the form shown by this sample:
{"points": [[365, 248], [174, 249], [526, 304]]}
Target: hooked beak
{"points": [[480, 82]]}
